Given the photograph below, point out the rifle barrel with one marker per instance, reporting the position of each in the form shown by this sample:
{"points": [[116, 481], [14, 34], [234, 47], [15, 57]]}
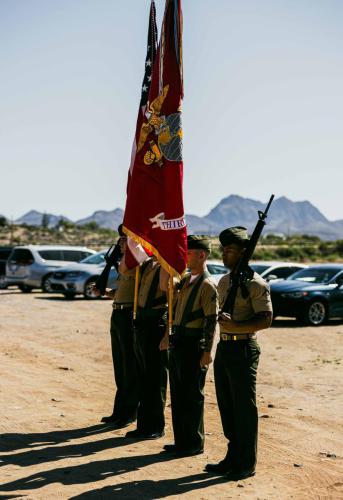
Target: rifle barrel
{"points": [[269, 203]]}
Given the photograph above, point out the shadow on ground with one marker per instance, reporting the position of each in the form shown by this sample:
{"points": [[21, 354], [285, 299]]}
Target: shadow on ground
{"points": [[89, 472], [149, 489], [99, 470], [16, 441], [55, 453]]}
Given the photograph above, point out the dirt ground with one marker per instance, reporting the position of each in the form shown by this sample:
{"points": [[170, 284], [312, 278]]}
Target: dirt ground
{"points": [[56, 382]]}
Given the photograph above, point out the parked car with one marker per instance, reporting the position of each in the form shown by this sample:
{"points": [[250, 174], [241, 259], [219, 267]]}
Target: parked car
{"points": [[32, 266], [4, 254], [311, 295], [217, 269], [276, 271], [77, 279], [270, 271]]}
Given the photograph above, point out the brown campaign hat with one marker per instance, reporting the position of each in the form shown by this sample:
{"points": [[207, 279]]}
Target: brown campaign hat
{"points": [[237, 234], [197, 242]]}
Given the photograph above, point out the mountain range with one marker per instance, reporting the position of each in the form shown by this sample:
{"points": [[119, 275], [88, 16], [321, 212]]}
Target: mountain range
{"points": [[286, 217]]}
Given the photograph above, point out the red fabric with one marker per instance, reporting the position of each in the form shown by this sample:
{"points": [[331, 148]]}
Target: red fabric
{"points": [[155, 185]]}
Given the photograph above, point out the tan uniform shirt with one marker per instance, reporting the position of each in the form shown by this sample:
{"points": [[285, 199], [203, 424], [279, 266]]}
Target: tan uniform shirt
{"points": [[206, 299], [125, 292], [245, 308], [147, 277]]}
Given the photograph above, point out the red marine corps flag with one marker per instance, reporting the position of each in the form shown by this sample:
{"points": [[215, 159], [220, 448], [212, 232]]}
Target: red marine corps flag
{"points": [[154, 215]]}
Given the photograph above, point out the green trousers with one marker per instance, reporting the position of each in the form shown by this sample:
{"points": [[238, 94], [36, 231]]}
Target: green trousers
{"points": [[125, 366], [152, 374], [187, 381], [235, 369]]}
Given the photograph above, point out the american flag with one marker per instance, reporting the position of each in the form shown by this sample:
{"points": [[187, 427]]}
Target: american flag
{"points": [[149, 64], [150, 55]]}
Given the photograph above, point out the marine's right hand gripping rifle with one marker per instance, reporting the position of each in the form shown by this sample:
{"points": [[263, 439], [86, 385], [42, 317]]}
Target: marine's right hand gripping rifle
{"points": [[242, 273], [112, 258]]}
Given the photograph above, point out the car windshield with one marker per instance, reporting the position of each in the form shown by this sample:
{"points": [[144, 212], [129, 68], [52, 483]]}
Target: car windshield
{"points": [[259, 268], [216, 268], [314, 275], [97, 258]]}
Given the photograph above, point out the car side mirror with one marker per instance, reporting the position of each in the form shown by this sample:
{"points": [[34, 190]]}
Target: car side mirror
{"points": [[271, 277], [339, 281]]}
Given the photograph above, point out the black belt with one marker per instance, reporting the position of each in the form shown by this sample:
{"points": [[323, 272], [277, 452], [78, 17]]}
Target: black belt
{"points": [[236, 336]]}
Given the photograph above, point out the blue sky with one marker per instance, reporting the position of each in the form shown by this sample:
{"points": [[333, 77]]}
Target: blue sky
{"points": [[263, 107]]}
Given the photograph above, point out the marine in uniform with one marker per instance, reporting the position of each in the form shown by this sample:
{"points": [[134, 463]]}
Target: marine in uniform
{"points": [[149, 329], [236, 360], [195, 315], [124, 361]]}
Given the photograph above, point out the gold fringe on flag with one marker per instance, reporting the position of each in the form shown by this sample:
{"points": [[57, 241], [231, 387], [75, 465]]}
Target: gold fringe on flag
{"points": [[145, 244]]}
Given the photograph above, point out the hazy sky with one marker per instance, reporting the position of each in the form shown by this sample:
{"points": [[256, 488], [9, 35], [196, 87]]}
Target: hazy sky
{"points": [[263, 108]]}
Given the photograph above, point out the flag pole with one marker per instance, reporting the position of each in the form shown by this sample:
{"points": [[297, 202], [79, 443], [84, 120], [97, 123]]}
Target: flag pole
{"points": [[170, 303], [135, 300]]}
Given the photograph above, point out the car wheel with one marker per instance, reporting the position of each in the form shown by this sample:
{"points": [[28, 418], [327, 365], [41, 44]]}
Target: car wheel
{"points": [[46, 284], [69, 295], [25, 288], [316, 313], [89, 292], [3, 282]]}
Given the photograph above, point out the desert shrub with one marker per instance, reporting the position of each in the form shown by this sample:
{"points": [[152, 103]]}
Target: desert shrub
{"points": [[264, 254], [273, 239], [339, 247]]}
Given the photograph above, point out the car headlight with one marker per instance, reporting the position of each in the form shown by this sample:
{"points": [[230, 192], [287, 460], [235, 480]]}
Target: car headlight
{"points": [[294, 295], [74, 274]]}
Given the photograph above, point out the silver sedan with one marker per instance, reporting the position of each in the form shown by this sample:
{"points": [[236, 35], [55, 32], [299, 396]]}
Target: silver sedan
{"points": [[78, 278]]}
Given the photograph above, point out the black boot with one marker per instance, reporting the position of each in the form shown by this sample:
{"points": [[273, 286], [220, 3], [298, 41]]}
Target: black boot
{"points": [[221, 467]]}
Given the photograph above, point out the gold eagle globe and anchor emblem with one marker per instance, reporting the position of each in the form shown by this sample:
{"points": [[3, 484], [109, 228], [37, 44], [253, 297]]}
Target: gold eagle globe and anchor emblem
{"points": [[168, 130]]}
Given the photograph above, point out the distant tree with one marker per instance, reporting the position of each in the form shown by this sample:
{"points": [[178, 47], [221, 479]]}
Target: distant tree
{"points": [[3, 221], [45, 220], [309, 237], [273, 238], [92, 226], [65, 224], [339, 247]]}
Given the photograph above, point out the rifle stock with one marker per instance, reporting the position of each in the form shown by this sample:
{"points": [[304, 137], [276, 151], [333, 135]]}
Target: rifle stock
{"points": [[112, 258]]}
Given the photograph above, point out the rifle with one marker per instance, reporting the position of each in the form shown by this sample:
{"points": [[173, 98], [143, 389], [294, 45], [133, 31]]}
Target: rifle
{"points": [[242, 272], [112, 258]]}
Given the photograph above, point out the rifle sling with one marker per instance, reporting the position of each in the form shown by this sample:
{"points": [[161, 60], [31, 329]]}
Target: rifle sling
{"points": [[152, 300], [188, 314]]}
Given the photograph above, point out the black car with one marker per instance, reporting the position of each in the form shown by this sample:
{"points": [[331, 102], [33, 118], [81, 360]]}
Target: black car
{"points": [[4, 254], [312, 295]]}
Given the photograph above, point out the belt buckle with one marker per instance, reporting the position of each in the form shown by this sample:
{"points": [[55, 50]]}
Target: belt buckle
{"points": [[234, 337], [224, 336]]}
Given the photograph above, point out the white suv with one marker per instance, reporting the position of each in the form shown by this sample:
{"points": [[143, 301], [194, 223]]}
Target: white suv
{"points": [[31, 266], [275, 270]]}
